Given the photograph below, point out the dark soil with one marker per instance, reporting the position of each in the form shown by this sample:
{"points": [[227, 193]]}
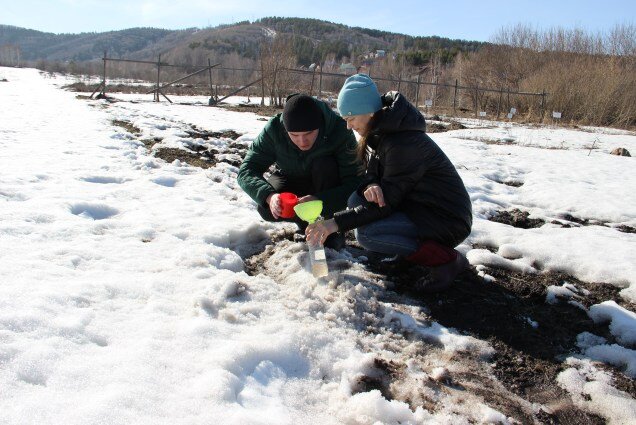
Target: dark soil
{"points": [[505, 313], [590, 222], [201, 155], [196, 160], [128, 126], [581, 221], [384, 372], [195, 154], [441, 128], [517, 218], [513, 183], [197, 133], [254, 263], [266, 111], [534, 380], [489, 141], [626, 229], [174, 89], [149, 143], [105, 97], [506, 310]]}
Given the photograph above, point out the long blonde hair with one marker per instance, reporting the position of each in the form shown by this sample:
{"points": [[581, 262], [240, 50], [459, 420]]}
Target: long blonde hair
{"points": [[363, 150]]}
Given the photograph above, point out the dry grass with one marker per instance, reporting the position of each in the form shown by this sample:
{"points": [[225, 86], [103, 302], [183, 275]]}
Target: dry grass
{"points": [[591, 79]]}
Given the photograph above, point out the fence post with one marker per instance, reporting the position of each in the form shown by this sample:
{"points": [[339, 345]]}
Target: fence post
{"points": [[508, 102], [476, 98], [417, 91], [455, 99], [211, 100], [158, 78], [102, 84], [104, 80], [499, 102], [542, 104], [313, 77], [435, 91], [262, 83], [320, 84]]}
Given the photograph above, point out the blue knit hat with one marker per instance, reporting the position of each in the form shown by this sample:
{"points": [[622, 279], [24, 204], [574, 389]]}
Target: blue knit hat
{"points": [[359, 95]]}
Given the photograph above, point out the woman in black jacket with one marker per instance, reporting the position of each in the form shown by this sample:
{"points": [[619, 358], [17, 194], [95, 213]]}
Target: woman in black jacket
{"points": [[412, 201]]}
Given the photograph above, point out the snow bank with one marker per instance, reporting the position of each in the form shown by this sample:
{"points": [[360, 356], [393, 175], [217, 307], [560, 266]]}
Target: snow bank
{"points": [[622, 321]]}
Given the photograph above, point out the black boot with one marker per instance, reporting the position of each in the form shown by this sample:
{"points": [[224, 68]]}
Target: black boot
{"points": [[441, 277]]}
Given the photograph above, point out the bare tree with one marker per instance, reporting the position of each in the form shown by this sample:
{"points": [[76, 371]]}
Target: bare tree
{"points": [[276, 55], [10, 55], [590, 77]]}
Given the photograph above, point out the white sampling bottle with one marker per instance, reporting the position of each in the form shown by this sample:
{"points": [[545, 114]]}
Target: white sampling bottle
{"points": [[310, 212], [318, 260]]}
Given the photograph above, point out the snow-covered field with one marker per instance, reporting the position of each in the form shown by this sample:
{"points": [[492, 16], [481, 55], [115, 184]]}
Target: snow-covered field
{"points": [[123, 295]]}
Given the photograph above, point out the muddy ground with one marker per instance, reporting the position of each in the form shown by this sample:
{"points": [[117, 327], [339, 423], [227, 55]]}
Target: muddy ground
{"points": [[522, 220], [438, 127], [265, 111], [175, 90], [531, 337]]}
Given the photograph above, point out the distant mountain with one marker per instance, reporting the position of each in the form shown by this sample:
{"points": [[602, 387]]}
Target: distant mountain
{"points": [[36, 45], [312, 40]]}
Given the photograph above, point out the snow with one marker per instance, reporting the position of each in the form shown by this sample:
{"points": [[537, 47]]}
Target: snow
{"points": [[567, 180], [592, 391], [622, 321], [439, 374], [567, 291], [616, 355], [124, 297]]}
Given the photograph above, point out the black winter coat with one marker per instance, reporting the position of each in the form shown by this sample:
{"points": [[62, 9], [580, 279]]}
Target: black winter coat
{"points": [[416, 177]]}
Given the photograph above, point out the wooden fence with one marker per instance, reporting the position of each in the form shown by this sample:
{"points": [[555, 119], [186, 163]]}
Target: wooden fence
{"points": [[484, 100]]}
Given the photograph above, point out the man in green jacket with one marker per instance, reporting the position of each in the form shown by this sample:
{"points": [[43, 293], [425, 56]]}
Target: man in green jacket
{"points": [[314, 155]]}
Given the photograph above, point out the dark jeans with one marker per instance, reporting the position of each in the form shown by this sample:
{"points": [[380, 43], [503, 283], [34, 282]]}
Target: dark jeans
{"points": [[395, 234], [324, 175], [398, 234]]}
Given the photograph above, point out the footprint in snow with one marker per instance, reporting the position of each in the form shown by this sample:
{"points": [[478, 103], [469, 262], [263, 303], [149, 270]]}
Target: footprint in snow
{"points": [[93, 211], [165, 181], [104, 179]]}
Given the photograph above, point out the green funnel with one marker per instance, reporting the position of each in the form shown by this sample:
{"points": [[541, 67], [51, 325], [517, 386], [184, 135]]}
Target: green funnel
{"points": [[309, 211]]}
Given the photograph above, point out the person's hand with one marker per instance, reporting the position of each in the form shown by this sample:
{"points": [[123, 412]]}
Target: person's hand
{"points": [[275, 206], [318, 231], [373, 193], [307, 198]]}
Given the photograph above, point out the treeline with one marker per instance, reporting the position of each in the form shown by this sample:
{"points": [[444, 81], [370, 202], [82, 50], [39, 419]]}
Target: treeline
{"points": [[315, 39], [314, 28], [590, 78]]}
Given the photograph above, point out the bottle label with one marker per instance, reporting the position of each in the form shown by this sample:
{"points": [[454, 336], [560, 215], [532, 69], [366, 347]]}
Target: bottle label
{"points": [[320, 255]]}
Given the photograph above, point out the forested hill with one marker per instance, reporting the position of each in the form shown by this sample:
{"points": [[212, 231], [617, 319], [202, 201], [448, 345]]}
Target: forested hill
{"points": [[313, 40], [36, 45], [351, 41]]}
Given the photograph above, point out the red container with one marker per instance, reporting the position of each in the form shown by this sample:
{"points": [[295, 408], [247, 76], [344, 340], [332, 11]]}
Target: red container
{"points": [[288, 201]]}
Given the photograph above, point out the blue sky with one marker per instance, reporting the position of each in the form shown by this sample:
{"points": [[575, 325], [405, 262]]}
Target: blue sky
{"points": [[473, 20]]}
